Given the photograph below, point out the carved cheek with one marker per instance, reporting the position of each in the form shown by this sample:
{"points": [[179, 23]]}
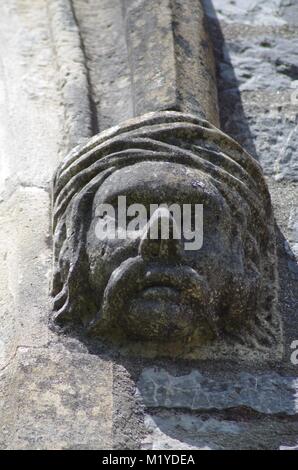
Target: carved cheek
{"points": [[105, 256]]}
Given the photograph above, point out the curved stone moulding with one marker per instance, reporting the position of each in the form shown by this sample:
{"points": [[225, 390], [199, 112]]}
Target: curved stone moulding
{"points": [[219, 301], [73, 76]]}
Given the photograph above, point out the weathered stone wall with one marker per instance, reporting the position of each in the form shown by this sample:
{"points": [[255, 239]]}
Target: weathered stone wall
{"points": [[55, 392], [49, 394]]}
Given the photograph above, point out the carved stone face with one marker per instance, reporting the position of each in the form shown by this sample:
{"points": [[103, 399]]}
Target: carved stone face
{"points": [[155, 288], [206, 302]]}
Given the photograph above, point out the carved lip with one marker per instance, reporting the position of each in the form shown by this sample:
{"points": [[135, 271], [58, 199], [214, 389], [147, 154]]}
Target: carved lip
{"points": [[162, 293], [136, 279], [174, 280]]}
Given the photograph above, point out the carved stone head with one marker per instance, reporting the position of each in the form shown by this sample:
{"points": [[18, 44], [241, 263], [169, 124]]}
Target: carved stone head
{"points": [[153, 296]]}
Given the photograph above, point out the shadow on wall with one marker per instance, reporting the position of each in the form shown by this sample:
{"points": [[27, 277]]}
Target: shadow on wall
{"points": [[236, 429], [229, 97]]}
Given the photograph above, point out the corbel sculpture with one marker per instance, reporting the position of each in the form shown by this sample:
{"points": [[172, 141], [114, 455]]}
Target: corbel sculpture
{"points": [[152, 296]]}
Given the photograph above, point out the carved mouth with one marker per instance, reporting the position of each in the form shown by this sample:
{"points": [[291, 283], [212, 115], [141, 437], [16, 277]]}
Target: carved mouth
{"points": [[164, 284], [154, 300], [175, 282], [161, 292]]}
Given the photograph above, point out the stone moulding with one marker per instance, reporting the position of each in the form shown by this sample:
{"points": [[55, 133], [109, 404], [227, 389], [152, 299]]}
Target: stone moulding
{"points": [[219, 301]]}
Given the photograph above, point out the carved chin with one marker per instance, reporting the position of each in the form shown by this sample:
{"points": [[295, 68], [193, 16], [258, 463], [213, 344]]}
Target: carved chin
{"points": [[155, 302]]}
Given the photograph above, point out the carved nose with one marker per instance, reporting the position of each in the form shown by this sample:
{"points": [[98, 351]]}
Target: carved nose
{"points": [[161, 237]]}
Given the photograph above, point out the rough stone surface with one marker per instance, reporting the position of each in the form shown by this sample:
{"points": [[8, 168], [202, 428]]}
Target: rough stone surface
{"points": [[251, 12], [257, 81], [26, 257], [172, 431], [30, 112], [264, 71], [293, 228], [267, 393], [146, 56], [102, 30], [56, 399], [171, 59], [72, 78], [260, 63]]}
